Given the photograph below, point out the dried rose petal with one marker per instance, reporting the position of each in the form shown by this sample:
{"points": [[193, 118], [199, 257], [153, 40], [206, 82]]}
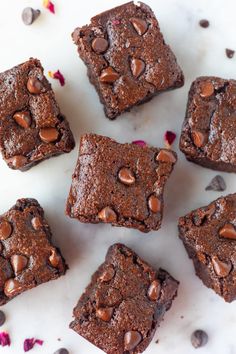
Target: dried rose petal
{"points": [[4, 339], [30, 342], [169, 137], [57, 75], [49, 5], [141, 143], [115, 22]]}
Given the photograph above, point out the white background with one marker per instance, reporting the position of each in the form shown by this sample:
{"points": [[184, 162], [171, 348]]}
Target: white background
{"points": [[46, 311]]}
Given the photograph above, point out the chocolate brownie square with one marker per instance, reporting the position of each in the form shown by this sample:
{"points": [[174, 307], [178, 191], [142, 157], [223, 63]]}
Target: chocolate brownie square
{"points": [[124, 303], [27, 256], [121, 184], [127, 58], [32, 128], [209, 236], [209, 131]]}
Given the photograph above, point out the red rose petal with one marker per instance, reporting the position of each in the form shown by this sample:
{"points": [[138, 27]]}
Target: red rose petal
{"points": [[141, 143], [169, 137], [57, 75], [30, 342], [5, 339], [49, 5]]}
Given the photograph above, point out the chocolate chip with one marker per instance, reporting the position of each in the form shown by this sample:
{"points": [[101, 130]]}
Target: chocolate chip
{"points": [[5, 230], [166, 156], [222, 269], [48, 135], [206, 89], [108, 75], [107, 274], [199, 338], [198, 138], [140, 25], [12, 287], [61, 351], [23, 119], [204, 23], [107, 215], [17, 161], [229, 53], [131, 340], [2, 318], [54, 259], [154, 204], [36, 223], [34, 85], [18, 263], [217, 184], [126, 176], [99, 45], [228, 231], [137, 67], [154, 290], [29, 15], [105, 313]]}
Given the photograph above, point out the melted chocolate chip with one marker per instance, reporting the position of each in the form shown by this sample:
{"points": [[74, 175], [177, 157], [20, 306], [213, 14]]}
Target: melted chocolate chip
{"points": [[5, 230], [154, 290], [222, 269], [217, 184], [17, 161], [107, 215], [228, 231], [99, 45], [166, 156], [229, 53], [207, 89], [140, 25], [48, 135], [108, 75], [54, 259], [199, 338], [23, 119], [131, 340], [204, 23], [12, 287], [126, 176], [105, 313], [37, 223], [154, 204], [18, 263], [107, 274], [29, 15], [137, 67], [198, 138], [34, 85]]}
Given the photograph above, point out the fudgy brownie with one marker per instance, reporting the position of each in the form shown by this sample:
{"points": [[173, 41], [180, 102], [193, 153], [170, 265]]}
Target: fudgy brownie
{"points": [[209, 131], [121, 184], [127, 58], [209, 236], [124, 303], [27, 255], [31, 125]]}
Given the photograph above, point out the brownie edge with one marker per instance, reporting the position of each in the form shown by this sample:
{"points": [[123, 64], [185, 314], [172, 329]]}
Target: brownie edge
{"points": [[124, 303]]}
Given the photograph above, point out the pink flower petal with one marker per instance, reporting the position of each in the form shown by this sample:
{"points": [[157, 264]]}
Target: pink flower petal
{"points": [[5, 339], [169, 137], [49, 5], [57, 75], [30, 342], [141, 143]]}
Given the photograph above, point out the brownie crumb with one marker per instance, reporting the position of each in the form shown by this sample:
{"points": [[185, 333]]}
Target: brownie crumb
{"points": [[157, 341], [229, 53], [204, 23], [199, 338], [2, 318]]}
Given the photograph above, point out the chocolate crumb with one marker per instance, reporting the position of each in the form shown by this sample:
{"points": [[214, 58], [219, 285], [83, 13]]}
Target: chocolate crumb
{"points": [[217, 184], [2, 318], [199, 338], [204, 23], [157, 341], [229, 53], [62, 351]]}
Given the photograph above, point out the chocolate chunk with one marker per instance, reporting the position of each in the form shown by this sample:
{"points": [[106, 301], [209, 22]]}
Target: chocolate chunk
{"points": [[166, 156], [222, 269], [23, 119], [137, 67], [29, 15], [108, 75], [228, 231], [2, 318], [206, 89], [199, 338], [131, 340], [34, 85], [140, 25], [12, 287], [154, 204], [17, 162], [105, 314], [126, 176], [36, 223], [99, 45], [204, 23], [154, 290], [107, 215], [229, 53], [48, 135], [108, 274], [54, 259], [217, 184], [5, 230], [198, 138], [18, 263], [61, 351]]}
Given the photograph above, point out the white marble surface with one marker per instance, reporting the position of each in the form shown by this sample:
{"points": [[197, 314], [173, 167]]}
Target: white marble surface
{"points": [[45, 312]]}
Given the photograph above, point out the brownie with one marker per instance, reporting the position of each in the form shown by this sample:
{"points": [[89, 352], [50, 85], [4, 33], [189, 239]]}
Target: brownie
{"points": [[209, 236], [209, 131], [121, 184], [124, 303], [127, 58], [31, 126], [27, 256]]}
